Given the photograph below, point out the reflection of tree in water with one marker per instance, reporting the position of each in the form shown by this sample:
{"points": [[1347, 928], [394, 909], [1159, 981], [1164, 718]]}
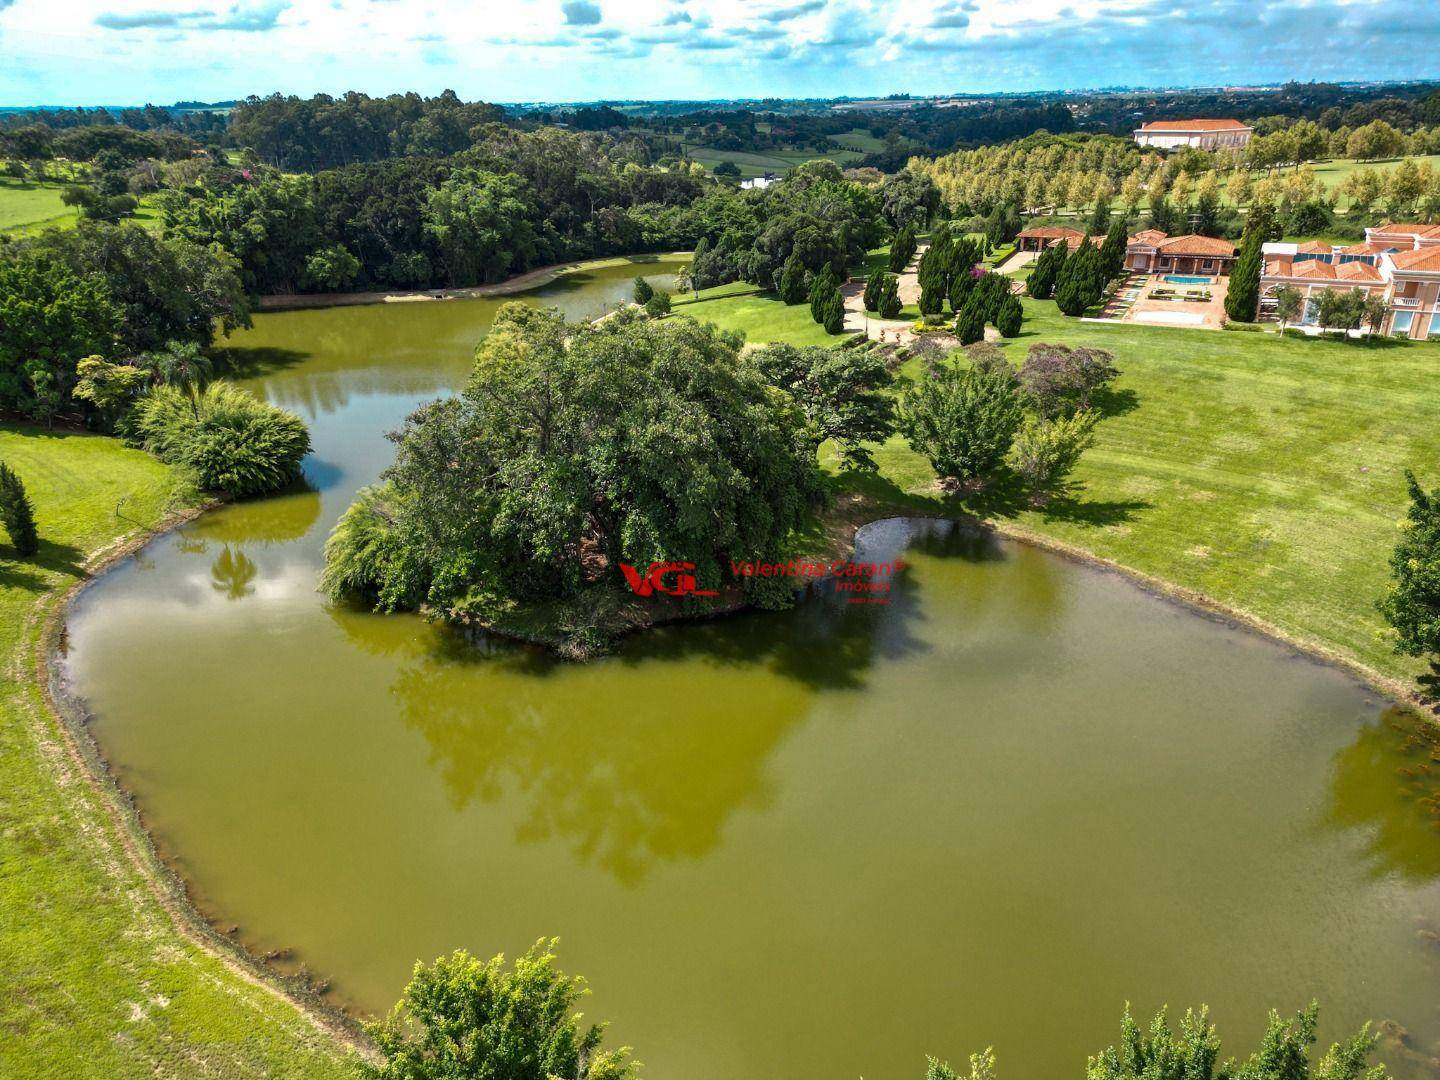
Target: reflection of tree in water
{"points": [[645, 756], [276, 519], [1388, 783], [233, 573], [628, 770]]}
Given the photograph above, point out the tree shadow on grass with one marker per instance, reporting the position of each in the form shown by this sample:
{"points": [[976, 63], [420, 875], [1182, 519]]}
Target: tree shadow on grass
{"points": [[1007, 497], [30, 573], [1108, 401]]}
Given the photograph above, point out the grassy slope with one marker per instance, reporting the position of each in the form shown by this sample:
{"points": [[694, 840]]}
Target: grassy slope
{"points": [[25, 203], [27, 207], [1333, 173], [97, 980], [1261, 471], [758, 163], [761, 316]]}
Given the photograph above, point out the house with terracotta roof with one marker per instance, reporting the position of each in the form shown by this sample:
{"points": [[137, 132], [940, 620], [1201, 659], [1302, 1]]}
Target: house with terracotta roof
{"points": [[1151, 251], [1399, 262], [1038, 239], [1201, 134]]}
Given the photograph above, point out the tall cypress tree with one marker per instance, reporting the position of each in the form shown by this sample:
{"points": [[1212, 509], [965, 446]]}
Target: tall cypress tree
{"points": [[16, 514], [970, 323], [873, 284], [825, 282], [833, 312], [902, 249], [1242, 294], [890, 305], [1075, 286], [792, 286], [1046, 272], [1112, 252]]}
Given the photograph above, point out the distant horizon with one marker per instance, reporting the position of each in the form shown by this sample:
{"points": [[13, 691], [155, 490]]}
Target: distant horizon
{"points": [[6, 106], [575, 51]]}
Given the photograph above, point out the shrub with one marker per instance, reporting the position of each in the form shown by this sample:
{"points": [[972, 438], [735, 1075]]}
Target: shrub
{"points": [[963, 423], [794, 281], [990, 358], [1047, 451], [16, 513], [970, 323], [832, 315], [229, 440], [1011, 315], [823, 284], [871, 297], [890, 305], [365, 558], [461, 1017], [658, 306], [1058, 380], [643, 291]]}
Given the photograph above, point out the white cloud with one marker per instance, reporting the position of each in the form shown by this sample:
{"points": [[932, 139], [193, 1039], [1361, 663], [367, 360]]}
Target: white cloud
{"points": [[113, 50]]}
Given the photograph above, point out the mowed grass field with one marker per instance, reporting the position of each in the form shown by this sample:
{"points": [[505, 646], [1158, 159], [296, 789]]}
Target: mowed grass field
{"points": [[853, 146], [1265, 473], [97, 980], [27, 207], [1333, 173], [24, 203]]}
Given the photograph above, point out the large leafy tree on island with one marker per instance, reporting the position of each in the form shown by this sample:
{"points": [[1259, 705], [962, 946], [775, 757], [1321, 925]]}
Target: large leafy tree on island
{"points": [[572, 449]]}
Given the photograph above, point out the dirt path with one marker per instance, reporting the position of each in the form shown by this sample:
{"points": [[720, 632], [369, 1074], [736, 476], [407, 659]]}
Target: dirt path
{"points": [[898, 331], [531, 279]]}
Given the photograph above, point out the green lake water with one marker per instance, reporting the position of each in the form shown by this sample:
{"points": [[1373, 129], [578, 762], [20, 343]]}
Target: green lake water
{"points": [[815, 844]]}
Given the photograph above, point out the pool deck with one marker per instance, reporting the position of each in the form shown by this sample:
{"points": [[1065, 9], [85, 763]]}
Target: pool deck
{"points": [[1201, 314]]}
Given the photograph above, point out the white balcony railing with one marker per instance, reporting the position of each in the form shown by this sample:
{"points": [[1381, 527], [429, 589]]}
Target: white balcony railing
{"points": [[1405, 301]]}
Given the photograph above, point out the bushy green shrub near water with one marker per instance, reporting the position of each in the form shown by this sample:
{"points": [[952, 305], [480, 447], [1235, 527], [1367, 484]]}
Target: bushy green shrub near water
{"points": [[229, 440]]}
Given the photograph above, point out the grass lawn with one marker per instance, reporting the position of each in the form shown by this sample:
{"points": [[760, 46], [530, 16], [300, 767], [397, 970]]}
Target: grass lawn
{"points": [[25, 203], [758, 163], [1263, 472], [1333, 173], [759, 314], [98, 981]]}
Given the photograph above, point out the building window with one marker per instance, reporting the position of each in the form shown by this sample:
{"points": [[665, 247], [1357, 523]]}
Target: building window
{"points": [[1165, 263], [1400, 325], [1312, 312], [1434, 325]]}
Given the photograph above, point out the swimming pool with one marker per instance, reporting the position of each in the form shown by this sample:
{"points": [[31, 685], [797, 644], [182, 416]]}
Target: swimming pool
{"points": [[1180, 279]]}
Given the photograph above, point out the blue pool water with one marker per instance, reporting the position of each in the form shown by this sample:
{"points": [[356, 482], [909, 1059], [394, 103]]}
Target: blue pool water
{"points": [[1180, 279]]}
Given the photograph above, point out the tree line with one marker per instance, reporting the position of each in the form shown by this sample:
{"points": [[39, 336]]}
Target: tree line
{"points": [[463, 1017]]}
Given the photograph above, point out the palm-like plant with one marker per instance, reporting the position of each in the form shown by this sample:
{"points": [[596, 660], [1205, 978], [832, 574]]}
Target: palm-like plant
{"points": [[181, 364]]}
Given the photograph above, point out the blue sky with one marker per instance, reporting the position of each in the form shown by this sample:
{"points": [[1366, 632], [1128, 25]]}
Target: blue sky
{"points": [[85, 52]]}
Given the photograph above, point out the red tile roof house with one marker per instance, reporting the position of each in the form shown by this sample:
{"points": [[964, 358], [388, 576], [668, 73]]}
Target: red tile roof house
{"points": [[1040, 238], [1153, 252], [1201, 134], [1397, 261]]}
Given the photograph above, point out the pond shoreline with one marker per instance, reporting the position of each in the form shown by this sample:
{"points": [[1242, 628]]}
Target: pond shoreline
{"points": [[531, 279], [71, 719], [176, 895]]}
